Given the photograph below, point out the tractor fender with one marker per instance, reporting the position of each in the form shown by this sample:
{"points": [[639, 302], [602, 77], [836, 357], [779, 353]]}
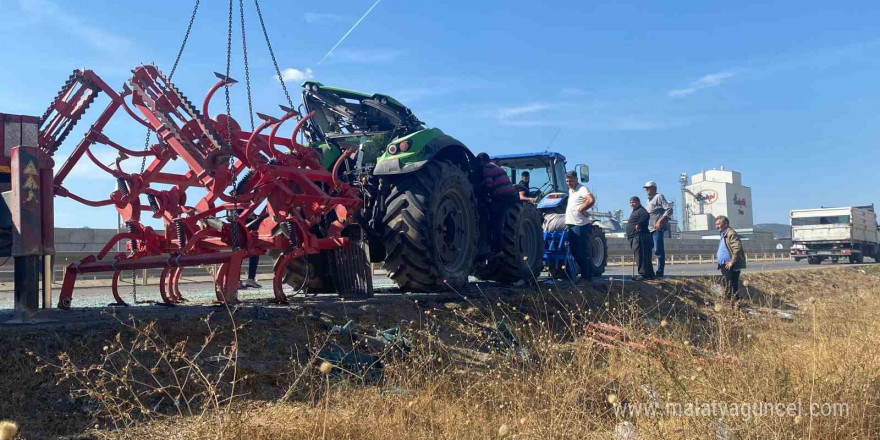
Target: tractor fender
{"points": [[439, 146]]}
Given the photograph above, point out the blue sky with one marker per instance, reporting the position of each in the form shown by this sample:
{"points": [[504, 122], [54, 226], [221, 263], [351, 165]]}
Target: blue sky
{"points": [[784, 91]]}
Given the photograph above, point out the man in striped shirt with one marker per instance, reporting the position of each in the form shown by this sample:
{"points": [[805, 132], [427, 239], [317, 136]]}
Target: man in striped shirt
{"points": [[498, 193]]}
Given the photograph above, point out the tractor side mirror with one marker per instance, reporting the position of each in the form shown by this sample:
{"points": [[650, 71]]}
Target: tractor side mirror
{"points": [[583, 173]]}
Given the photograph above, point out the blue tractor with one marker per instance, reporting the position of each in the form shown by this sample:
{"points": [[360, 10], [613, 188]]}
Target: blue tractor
{"points": [[547, 186]]}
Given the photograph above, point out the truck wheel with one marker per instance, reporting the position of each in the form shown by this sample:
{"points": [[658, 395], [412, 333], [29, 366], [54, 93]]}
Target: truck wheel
{"points": [[431, 228], [813, 260], [598, 251], [855, 258], [522, 247], [834, 260]]}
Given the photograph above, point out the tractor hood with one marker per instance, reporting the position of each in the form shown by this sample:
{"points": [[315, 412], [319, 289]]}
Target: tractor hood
{"points": [[340, 112]]}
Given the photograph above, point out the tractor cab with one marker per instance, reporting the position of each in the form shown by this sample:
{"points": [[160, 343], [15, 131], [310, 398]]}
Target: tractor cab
{"points": [[346, 119], [547, 176], [547, 183]]}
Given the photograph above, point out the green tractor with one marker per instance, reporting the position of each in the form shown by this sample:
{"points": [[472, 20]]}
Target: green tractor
{"points": [[424, 215], [547, 184]]}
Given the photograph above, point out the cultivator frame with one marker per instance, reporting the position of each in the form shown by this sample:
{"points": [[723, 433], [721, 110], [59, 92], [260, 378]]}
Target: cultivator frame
{"points": [[286, 201]]}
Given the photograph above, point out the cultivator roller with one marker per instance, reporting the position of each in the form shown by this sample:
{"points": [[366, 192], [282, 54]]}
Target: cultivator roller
{"points": [[263, 192]]}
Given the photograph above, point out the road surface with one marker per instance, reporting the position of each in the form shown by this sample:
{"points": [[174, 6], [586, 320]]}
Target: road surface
{"points": [[203, 292]]}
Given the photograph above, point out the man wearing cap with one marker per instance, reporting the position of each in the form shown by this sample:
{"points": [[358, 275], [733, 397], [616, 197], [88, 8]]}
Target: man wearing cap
{"points": [[660, 211]]}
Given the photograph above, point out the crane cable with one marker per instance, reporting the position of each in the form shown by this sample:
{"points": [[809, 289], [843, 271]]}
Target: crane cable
{"points": [[272, 54]]}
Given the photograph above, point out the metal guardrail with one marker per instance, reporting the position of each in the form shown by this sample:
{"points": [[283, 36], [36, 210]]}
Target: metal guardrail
{"points": [[151, 276], [673, 259]]}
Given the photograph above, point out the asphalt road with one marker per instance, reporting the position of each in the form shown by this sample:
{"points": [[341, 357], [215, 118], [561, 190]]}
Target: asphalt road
{"points": [[203, 292], [712, 269]]}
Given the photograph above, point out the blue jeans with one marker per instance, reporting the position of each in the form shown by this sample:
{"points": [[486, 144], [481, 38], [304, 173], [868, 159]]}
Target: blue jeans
{"points": [[659, 251]]}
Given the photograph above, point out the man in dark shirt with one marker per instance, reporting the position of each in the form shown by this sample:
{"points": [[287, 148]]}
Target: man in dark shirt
{"points": [[639, 235], [523, 188]]}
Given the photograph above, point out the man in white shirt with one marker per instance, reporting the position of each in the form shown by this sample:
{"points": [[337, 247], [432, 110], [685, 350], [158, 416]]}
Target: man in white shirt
{"points": [[577, 218]]}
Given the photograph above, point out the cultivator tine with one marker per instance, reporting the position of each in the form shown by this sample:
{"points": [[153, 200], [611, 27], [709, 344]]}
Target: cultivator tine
{"points": [[164, 291], [226, 80], [287, 110], [174, 284], [114, 288], [279, 270], [267, 118]]}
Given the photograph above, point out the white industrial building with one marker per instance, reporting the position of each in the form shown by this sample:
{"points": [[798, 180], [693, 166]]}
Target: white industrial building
{"points": [[712, 193]]}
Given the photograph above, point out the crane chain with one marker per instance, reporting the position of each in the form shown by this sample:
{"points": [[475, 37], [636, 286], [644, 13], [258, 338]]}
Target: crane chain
{"points": [[247, 73], [192, 19], [272, 54], [233, 223]]}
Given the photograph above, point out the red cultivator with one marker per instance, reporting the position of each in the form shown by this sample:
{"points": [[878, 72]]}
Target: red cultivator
{"points": [[285, 202]]}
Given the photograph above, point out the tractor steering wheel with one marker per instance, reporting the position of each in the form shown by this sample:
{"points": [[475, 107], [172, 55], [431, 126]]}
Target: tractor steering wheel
{"points": [[545, 188], [535, 192]]}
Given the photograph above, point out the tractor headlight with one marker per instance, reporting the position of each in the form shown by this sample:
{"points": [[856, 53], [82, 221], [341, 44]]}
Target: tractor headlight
{"points": [[392, 149], [403, 146]]}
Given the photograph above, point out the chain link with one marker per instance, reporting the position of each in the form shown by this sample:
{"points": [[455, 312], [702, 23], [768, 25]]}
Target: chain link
{"points": [[247, 73], [233, 223], [192, 19], [272, 54], [189, 26]]}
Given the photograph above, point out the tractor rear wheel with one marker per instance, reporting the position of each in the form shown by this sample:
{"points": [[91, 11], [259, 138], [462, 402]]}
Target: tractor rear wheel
{"points": [[431, 228], [522, 247], [598, 251]]}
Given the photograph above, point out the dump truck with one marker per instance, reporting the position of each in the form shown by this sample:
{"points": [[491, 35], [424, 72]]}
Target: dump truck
{"points": [[423, 214], [834, 233]]}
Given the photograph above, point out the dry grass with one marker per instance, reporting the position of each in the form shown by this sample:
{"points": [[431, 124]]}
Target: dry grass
{"points": [[461, 381]]}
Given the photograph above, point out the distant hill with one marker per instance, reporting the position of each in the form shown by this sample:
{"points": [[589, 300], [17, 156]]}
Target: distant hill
{"points": [[778, 229]]}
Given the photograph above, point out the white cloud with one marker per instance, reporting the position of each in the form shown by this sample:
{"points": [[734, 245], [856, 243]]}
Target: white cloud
{"points": [[510, 112], [322, 17], [704, 82], [65, 21], [520, 115], [296, 75]]}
